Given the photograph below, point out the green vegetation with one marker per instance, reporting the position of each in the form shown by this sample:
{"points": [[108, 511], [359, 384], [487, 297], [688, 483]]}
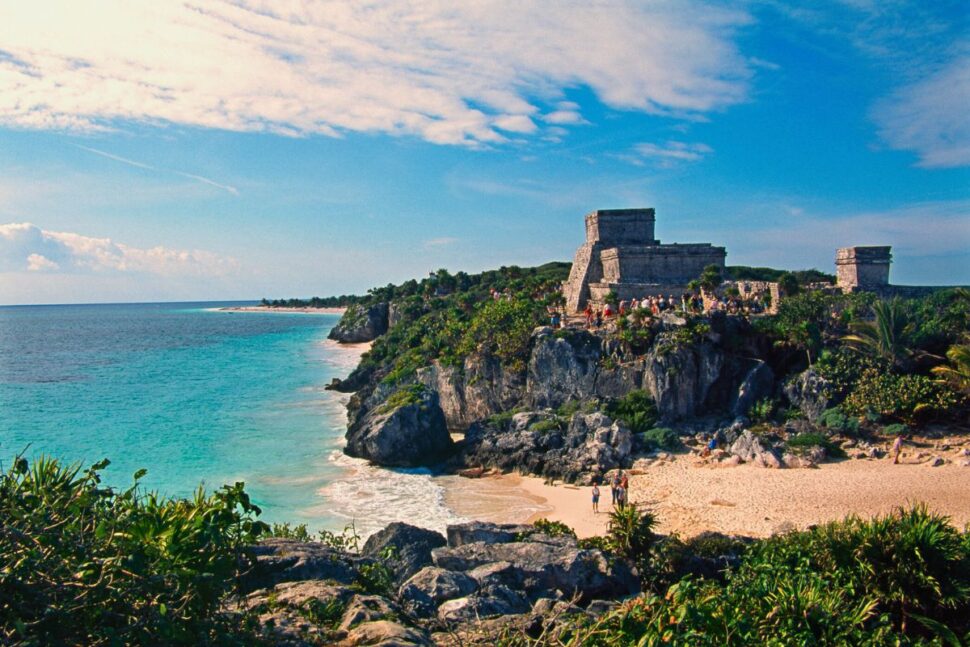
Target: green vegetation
{"points": [[446, 318], [803, 277], [636, 409], [85, 564], [900, 579], [404, 396], [553, 528], [808, 440], [835, 420], [660, 438]]}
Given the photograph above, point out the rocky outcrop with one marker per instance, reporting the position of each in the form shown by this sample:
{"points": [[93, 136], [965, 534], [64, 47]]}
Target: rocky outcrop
{"points": [[410, 548], [361, 323], [309, 594], [809, 392], [478, 388], [750, 449], [409, 435], [758, 383], [588, 447]]}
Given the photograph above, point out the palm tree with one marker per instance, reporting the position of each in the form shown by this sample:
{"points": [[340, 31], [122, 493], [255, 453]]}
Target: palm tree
{"points": [[887, 336], [958, 372]]}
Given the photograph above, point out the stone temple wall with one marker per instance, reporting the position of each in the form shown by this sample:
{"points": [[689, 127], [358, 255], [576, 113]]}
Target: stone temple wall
{"points": [[621, 254]]}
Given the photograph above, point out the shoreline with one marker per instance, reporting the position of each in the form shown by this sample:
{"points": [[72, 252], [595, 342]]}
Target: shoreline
{"points": [[690, 498], [265, 309]]}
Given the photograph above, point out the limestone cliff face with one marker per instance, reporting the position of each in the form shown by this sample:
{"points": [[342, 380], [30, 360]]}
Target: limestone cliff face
{"points": [[361, 324], [475, 390]]}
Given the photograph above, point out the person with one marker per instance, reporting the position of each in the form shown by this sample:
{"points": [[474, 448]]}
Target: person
{"points": [[615, 486], [608, 311], [711, 446], [897, 448], [599, 318], [624, 482], [620, 497], [589, 315], [596, 497]]}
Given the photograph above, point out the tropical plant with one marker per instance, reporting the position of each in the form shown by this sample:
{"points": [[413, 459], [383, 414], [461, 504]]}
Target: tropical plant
{"points": [[636, 409], [957, 373], [630, 532], [84, 564], [887, 337]]}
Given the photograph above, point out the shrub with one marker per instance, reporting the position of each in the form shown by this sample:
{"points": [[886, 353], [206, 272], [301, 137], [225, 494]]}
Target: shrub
{"points": [[630, 532], [502, 328], [636, 409], [545, 425], [836, 420], [553, 528], [807, 440], [762, 410], [895, 429], [901, 579], [85, 564], [404, 396], [660, 438], [901, 397]]}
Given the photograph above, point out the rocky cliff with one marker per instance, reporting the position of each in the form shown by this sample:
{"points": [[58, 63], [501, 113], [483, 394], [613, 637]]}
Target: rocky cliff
{"points": [[687, 373], [361, 323]]}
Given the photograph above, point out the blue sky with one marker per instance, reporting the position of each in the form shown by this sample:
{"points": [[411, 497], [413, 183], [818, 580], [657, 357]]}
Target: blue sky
{"points": [[228, 150]]}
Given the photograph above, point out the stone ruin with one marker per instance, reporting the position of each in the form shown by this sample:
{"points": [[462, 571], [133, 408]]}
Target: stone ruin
{"points": [[621, 255], [863, 268]]}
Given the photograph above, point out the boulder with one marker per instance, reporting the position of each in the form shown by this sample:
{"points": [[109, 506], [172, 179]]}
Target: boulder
{"points": [[289, 560], [407, 436], [431, 586], [411, 547], [367, 608], [807, 391], [489, 602], [385, 633], [749, 448], [540, 568], [588, 447], [361, 324], [485, 532], [935, 461]]}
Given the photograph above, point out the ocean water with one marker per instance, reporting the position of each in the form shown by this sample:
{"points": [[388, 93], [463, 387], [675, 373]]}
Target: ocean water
{"points": [[199, 396]]}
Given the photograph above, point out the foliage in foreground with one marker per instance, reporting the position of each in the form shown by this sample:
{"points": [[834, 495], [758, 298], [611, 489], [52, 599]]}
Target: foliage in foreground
{"points": [[901, 579], [85, 564]]}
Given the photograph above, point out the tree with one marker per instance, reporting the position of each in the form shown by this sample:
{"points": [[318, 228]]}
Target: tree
{"points": [[958, 373], [788, 284], [887, 337], [710, 278]]}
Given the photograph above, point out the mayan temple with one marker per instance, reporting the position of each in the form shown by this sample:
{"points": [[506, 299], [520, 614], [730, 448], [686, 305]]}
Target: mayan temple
{"points": [[622, 255]]}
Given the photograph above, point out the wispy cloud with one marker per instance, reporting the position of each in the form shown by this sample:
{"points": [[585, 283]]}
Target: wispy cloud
{"points": [[667, 154], [124, 160], [441, 241], [450, 73], [931, 117], [27, 247]]}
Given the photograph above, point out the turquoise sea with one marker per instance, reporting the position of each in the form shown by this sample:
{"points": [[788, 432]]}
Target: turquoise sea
{"points": [[202, 396]]}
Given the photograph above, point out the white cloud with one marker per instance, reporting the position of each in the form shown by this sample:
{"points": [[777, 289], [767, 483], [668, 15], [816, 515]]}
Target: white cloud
{"points": [[38, 263], [26, 247], [930, 117], [669, 152], [451, 73]]}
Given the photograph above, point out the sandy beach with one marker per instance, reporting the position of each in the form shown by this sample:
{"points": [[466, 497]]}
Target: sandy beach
{"points": [[306, 311], [689, 497]]}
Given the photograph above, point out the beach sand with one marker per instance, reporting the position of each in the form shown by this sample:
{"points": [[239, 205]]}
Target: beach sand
{"points": [[689, 498], [307, 311]]}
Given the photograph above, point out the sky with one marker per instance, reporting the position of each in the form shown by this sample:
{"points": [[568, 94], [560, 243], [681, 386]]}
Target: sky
{"points": [[168, 151]]}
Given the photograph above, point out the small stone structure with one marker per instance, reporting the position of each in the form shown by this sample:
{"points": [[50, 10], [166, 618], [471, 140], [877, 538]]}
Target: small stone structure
{"points": [[863, 268], [621, 255]]}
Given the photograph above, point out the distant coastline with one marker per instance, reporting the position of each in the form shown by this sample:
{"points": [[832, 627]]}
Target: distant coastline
{"points": [[308, 311]]}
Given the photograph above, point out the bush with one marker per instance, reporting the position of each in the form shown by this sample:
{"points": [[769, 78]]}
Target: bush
{"points": [[901, 397], [836, 420], [636, 409], [762, 410], [404, 396], [901, 579], [660, 438], [553, 528], [895, 429], [502, 328], [804, 441], [545, 425], [630, 532], [85, 564]]}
